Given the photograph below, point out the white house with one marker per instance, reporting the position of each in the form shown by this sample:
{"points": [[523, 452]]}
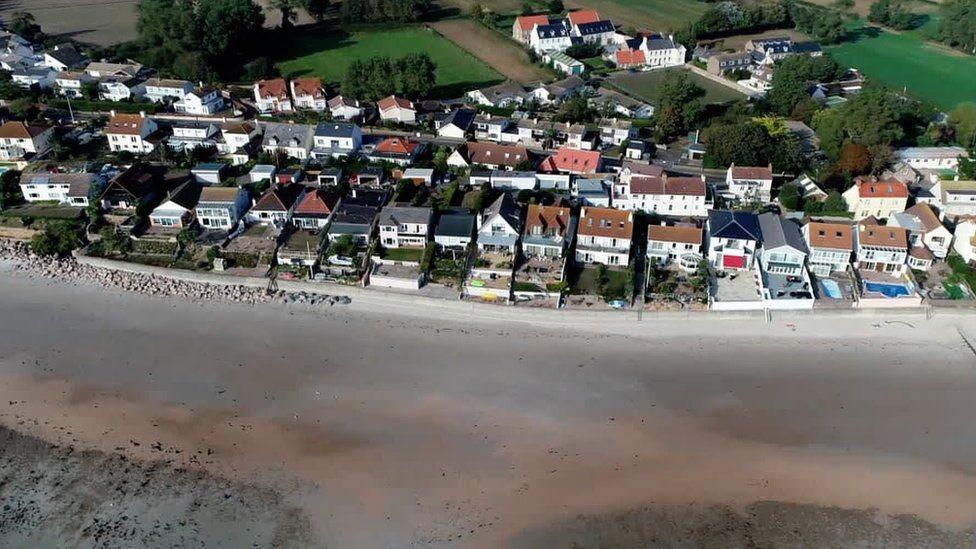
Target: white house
{"points": [[177, 210], [159, 90], [604, 236], [454, 230], [200, 102], [549, 37], [308, 93], [221, 207], [660, 51], [881, 249], [879, 199], [563, 63], [103, 69], [783, 250], [931, 158], [19, 140], [599, 32], [830, 246], [548, 231], [41, 78], [733, 238], [964, 242], [924, 229], [663, 195], [344, 109], [190, 134], [237, 136], [523, 25], [397, 109], [615, 132], [129, 132], [404, 226], [681, 243], [70, 189], [750, 183], [294, 140], [957, 198], [457, 124], [336, 140], [506, 180], [271, 96], [70, 83], [500, 226]]}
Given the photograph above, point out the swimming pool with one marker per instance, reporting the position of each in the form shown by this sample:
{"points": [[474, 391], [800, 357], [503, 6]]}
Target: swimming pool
{"points": [[831, 288], [888, 290]]}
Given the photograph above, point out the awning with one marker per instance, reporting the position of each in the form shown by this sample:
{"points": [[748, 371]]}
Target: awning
{"points": [[733, 261]]}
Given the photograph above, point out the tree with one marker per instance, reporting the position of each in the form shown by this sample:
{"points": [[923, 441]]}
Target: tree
{"points": [[316, 8], [10, 189], [834, 202], [854, 159], [956, 23], [891, 13], [827, 26], [575, 109], [555, 7], [413, 75], [750, 143], [59, 239], [527, 8], [967, 165], [22, 23], [789, 196], [680, 105], [963, 118], [792, 78]]}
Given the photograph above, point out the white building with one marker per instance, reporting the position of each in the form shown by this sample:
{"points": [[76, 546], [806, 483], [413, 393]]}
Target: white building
{"points": [[680, 243], [924, 229], [750, 183], [271, 96], [549, 38], [70, 83], [19, 140], [129, 132], [404, 226], [733, 238], [70, 189], [308, 93], [663, 195], [200, 102], [604, 236], [344, 109], [882, 249], [294, 140], [880, 199], [830, 245], [159, 90], [500, 226], [957, 198], [336, 140], [397, 109], [931, 158], [964, 242]]}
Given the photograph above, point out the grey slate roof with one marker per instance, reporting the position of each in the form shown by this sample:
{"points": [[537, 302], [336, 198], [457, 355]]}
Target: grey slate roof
{"points": [[462, 118], [334, 129], [455, 224], [735, 225], [778, 232], [287, 135], [506, 207], [554, 30], [396, 215], [596, 27]]}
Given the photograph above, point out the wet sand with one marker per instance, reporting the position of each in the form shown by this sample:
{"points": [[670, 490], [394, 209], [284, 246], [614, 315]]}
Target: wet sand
{"points": [[410, 426]]}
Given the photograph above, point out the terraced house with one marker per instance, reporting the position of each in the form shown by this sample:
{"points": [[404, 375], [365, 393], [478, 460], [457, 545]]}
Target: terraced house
{"points": [[830, 245]]}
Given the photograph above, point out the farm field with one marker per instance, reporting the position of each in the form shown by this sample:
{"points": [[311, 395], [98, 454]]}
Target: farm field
{"points": [[101, 22], [645, 85], [927, 71], [327, 54], [657, 15], [499, 53]]}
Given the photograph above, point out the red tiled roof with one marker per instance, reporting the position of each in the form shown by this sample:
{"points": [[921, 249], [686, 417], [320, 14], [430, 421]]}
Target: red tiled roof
{"points": [[309, 85], [889, 188], [572, 160], [547, 217], [626, 58], [684, 235], [393, 101], [397, 145], [751, 172], [16, 129], [583, 16], [685, 186], [125, 124], [317, 202], [527, 22], [606, 222], [879, 235], [273, 88], [836, 236]]}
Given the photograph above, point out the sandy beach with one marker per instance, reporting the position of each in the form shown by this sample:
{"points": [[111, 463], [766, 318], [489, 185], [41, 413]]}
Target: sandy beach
{"points": [[399, 425]]}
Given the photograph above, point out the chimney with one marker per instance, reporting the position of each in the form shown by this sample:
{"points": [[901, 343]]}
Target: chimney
{"points": [[142, 114], [112, 112]]}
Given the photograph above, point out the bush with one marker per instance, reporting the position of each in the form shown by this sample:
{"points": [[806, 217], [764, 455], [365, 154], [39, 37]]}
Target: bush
{"points": [[58, 239]]}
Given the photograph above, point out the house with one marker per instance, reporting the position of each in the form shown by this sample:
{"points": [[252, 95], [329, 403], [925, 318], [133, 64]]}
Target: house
{"points": [[592, 192], [239, 140], [343, 108], [401, 151], [636, 149], [733, 238], [661, 51], [663, 195], [102, 69], [880, 199], [404, 226], [336, 140], [523, 25], [749, 182], [330, 177], [563, 63], [454, 230], [808, 189], [293, 140], [964, 242], [547, 231], [489, 155], [71, 83], [397, 109], [271, 96], [369, 177], [599, 33], [550, 37], [931, 158], [615, 132], [221, 207], [64, 57], [70, 189], [457, 124], [573, 161], [276, 204], [494, 128], [881, 249], [289, 176], [679, 242], [606, 100], [958, 198], [209, 173], [19, 140], [203, 101], [924, 229], [629, 59], [314, 210], [130, 132], [783, 250], [727, 62], [177, 209], [356, 221], [119, 88], [773, 48], [761, 79], [186, 135], [160, 90], [830, 246], [261, 172], [308, 93], [500, 225], [557, 91], [505, 180], [604, 236], [125, 190], [38, 78], [420, 176], [504, 95]]}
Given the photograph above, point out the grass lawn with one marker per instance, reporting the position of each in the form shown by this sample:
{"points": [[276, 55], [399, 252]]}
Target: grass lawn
{"points": [[584, 281], [927, 71], [403, 254], [646, 85], [43, 211], [327, 54], [656, 15]]}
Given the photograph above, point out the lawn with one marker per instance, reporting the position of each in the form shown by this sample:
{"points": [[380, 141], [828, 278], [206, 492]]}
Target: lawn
{"points": [[656, 15], [905, 61], [327, 54], [584, 282], [645, 85], [403, 254]]}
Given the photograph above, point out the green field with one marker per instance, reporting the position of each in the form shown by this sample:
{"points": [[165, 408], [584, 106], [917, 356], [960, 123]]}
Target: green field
{"points": [[645, 85], [905, 61], [327, 54], [656, 15]]}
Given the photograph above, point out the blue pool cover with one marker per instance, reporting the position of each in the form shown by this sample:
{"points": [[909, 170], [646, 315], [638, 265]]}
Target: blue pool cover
{"points": [[831, 288]]}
